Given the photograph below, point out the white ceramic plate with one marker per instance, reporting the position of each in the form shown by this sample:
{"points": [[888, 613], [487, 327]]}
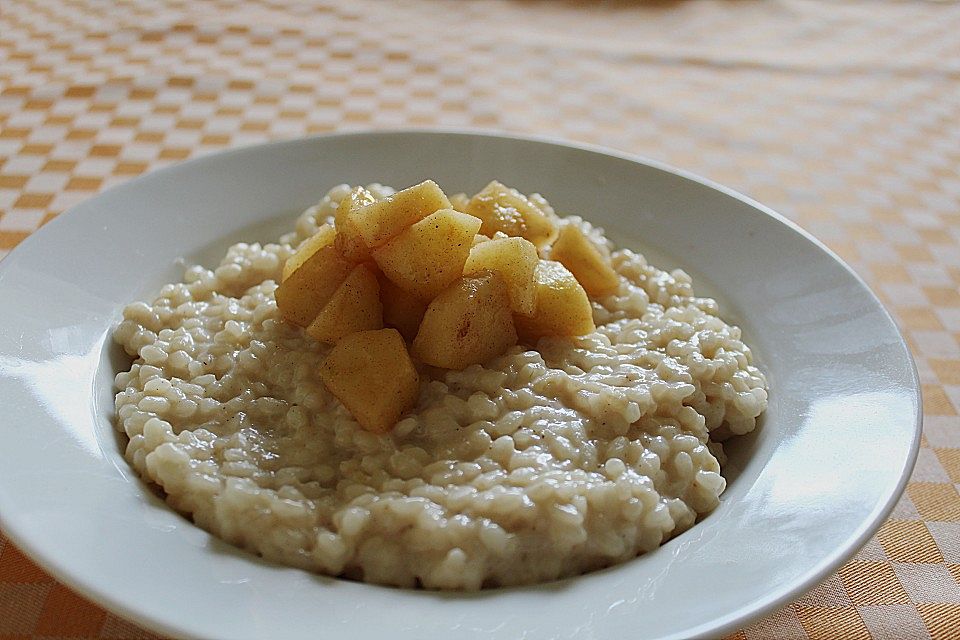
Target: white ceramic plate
{"points": [[806, 490]]}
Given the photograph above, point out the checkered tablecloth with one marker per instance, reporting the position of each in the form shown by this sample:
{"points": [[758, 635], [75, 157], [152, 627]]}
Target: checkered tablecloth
{"points": [[843, 116]]}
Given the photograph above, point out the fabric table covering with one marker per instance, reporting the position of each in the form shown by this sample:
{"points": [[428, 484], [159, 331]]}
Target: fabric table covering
{"points": [[844, 116]]}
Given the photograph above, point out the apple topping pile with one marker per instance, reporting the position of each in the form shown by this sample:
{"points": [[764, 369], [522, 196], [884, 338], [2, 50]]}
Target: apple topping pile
{"points": [[414, 277]]}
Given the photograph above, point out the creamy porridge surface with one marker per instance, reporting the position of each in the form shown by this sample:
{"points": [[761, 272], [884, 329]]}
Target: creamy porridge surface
{"points": [[537, 465]]}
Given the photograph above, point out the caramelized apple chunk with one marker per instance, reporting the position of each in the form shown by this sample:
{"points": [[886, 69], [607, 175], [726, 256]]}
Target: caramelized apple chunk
{"points": [[504, 209], [515, 259], [355, 306], [401, 309], [460, 202], [379, 221], [324, 236], [429, 255], [312, 282], [468, 323], [349, 240], [371, 374], [574, 250], [562, 308]]}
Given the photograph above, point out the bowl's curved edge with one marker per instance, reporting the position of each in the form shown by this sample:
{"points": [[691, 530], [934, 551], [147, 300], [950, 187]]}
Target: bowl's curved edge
{"points": [[89, 590], [729, 623]]}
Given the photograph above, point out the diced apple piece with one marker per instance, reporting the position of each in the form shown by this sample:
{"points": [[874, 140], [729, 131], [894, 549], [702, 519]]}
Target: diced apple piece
{"points": [[515, 259], [429, 255], [305, 291], [358, 197], [380, 221], [349, 240], [401, 310], [460, 202], [562, 309], [355, 306], [585, 261], [371, 373], [307, 248], [504, 209], [468, 323]]}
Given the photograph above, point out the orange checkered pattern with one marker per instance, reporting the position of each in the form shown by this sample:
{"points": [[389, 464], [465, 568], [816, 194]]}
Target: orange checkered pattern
{"points": [[844, 116]]}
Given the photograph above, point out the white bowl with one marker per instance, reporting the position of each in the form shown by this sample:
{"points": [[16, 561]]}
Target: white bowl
{"points": [[806, 490]]}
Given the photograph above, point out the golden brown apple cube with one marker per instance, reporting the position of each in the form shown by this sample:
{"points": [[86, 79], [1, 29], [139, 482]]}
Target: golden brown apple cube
{"points": [[371, 373], [468, 323], [592, 269], [562, 309], [504, 209], [515, 259], [348, 239], [401, 309], [430, 254], [324, 236], [460, 202], [305, 291], [355, 306], [380, 221]]}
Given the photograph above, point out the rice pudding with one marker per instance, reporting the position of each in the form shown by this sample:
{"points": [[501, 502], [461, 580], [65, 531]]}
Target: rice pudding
{"points": [[548, 460]]}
